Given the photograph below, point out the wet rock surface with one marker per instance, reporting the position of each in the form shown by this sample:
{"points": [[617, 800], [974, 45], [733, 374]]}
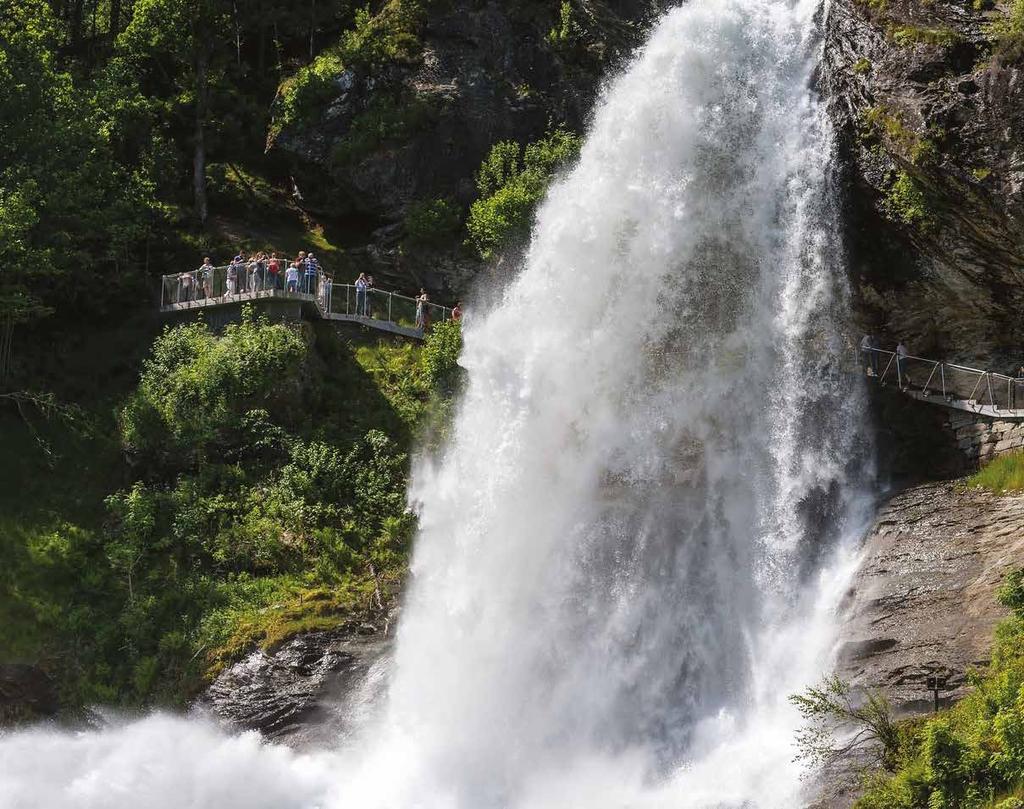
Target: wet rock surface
{"points": [[930, 115], [924, 599], [923, 602], [306, 693]]}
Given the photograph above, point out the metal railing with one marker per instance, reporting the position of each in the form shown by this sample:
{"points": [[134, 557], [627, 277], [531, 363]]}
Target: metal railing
{"points": [[390, 307], [954, 383], [210, 285], [232, 283]]}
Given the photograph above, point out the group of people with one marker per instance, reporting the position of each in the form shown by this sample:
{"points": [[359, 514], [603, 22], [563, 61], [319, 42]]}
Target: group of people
{"points": [[258, 272], [870, 349], [254, 273]]}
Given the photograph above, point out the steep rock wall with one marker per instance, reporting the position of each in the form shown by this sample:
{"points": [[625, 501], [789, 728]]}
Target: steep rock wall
{"points": [[931, 119]]}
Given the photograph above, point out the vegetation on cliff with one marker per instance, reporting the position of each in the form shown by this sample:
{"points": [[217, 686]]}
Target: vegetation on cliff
{"points": [[970, 756], [257, 489], [1003, 474]]}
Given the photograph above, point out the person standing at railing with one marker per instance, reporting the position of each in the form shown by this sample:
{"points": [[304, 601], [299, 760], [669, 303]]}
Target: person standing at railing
{"points": [[422, 312], [901, 363], [325, 292], [370, 286], [312, 268], [205, 273], [186, 284], [457, 312], [253, 274], [274, 270], [868, 350], [300, 262], [292, 277], [238, 265], [361, 287]]}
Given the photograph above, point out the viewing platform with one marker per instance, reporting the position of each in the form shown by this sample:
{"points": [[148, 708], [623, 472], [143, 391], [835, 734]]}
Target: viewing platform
{"points": [[958, 387], [312, 297], [983, 411]]}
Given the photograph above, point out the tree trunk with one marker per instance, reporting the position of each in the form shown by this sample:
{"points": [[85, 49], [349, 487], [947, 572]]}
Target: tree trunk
{"points": [[6, 346], [115, 19], [312, 27], [202, 100], [76, 21], [261, 62]]}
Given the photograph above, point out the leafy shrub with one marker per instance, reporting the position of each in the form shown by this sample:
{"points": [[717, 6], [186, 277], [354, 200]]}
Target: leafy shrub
{"points": [[906, 202], [308, 90], [511, 181], [373, 42], [432, 223], [386, 37], [441, 355], [565, 34], [196, 386]]}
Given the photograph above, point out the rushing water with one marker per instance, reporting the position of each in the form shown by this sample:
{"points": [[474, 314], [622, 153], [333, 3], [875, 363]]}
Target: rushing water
{"points": [[632, 550]]}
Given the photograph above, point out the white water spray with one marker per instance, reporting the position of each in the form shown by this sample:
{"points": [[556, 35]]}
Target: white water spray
{"points": [[623, 564]]}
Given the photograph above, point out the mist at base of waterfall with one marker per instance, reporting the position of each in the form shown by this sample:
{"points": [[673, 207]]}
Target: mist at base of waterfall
{"points": [[631, 550]]}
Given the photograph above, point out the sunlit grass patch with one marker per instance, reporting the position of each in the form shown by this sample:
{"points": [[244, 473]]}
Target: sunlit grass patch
{"points": [[1004, 474]]}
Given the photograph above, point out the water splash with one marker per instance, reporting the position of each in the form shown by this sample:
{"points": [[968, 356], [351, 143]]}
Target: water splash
{"points": [[627, 556]]}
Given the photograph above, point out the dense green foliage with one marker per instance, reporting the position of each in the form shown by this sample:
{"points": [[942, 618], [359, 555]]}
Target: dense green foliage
{"points": [[1003, 474], [70, 210], [511, 181], [254, 507], [432, 223], [971, 756]]}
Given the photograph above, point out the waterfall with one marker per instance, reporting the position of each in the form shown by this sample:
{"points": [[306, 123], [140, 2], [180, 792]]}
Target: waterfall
{"points": [[632, 548]]}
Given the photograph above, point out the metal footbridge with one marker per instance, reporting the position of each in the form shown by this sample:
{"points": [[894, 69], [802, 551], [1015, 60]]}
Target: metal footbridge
{"points": [[316, 295], [954, 386]]}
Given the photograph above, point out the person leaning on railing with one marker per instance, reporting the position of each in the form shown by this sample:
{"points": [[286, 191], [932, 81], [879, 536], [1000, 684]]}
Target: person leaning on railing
{"points": [[186, 287]]}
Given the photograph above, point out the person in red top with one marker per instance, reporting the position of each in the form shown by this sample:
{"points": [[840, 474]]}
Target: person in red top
{"points": [[275, 272], [457, 312]]}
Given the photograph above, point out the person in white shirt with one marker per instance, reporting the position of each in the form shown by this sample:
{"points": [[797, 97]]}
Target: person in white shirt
{"points": [[292, 277], [361, 287]]}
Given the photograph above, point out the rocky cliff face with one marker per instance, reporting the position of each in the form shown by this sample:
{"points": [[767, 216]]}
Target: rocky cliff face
{"points": [[930, 106], [487, 71], [924, 599]]}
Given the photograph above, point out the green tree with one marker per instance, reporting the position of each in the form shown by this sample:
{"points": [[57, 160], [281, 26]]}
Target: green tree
{"points": [[69, 212], [511, 181]]}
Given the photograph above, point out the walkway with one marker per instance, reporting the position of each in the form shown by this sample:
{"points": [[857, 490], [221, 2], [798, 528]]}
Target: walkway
{"points": [[384, 311], [943, 383]]}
